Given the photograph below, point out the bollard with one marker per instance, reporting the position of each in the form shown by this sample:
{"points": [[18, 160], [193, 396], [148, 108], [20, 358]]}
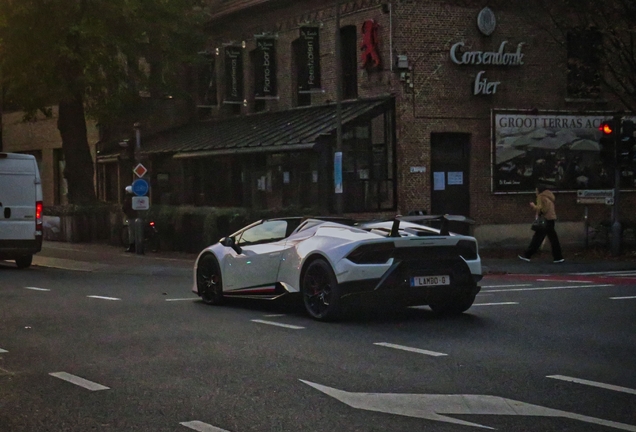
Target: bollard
{"points": [[139, 236]]}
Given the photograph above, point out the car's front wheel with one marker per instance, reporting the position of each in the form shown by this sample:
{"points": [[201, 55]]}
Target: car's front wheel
{"points": [[321, 293], [24, 261], [452, 304], [209, 281]]}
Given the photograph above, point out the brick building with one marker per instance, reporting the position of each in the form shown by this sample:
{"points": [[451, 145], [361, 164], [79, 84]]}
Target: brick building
{"points": [[449, 107]]}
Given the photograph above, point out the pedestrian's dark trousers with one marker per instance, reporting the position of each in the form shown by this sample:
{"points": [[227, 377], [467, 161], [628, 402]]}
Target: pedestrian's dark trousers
{"points": [[538, 238]]}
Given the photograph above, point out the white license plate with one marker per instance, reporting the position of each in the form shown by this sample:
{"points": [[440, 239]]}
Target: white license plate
{"points": [[418, 281]]}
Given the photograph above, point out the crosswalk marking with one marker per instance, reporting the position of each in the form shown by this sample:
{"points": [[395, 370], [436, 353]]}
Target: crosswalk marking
{"points": [[273, 323], [199, 426], [593, 384], [90, 385], [410, 349]]}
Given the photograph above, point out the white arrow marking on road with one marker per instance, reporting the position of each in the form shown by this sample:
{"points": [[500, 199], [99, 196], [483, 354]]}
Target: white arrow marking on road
{"points": [[593, 384], [201, 427], [623, 298], [405, 348], [3, 351], [37, 289], [90, 385], [104, 298], [431, 407]]}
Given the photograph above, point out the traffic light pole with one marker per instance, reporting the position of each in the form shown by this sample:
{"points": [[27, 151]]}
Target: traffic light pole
{"points": [[615, 246]]}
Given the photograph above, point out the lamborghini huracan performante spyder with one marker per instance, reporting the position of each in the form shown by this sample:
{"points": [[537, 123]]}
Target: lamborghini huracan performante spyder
{"points": [[331, 262]]}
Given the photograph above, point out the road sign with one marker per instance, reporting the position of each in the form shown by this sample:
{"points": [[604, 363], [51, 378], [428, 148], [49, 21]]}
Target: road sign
{"points": [[140, 170], [141, 203], [595, 196], [140, 187]]}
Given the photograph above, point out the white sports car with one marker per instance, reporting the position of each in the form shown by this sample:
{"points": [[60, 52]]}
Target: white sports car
{"points": [[332, 261]]}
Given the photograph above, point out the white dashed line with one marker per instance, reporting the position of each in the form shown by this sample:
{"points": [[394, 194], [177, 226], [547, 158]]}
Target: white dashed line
{"points": [[415, 350], [184, 299], [37, 289], [506, 286], [104, 298], [3, 351], [201, 427], [275, 315], [278, 324], [593, 384], [495, 304], [551, 288], [569, 281], [623, 298], [90, 385]]}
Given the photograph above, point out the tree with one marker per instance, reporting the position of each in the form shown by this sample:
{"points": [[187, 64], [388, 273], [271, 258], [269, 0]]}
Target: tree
{"points": [[92, 58]]}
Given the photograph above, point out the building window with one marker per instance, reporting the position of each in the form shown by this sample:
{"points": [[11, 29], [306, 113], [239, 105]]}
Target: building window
{"points": [[257, 104], [368, 165], [206, 83], [349, 57], [301, 99], [584, 64]]}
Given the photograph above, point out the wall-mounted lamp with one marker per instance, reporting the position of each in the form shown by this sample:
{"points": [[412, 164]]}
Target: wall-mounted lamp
{"points": [[243, 44], [217, 51]]}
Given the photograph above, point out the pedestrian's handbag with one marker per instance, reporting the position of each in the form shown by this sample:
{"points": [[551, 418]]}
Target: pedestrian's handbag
{"points": [[539, 224]]}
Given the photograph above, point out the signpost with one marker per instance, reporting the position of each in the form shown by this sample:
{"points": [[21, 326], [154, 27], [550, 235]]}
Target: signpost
{"points": [[595, 196]]}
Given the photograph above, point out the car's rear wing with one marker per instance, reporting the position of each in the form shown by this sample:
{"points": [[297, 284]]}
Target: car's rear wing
{"points": [[444, 219]]}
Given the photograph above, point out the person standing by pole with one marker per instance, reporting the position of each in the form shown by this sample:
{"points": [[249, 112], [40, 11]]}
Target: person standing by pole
{"points": [[131, 215]]}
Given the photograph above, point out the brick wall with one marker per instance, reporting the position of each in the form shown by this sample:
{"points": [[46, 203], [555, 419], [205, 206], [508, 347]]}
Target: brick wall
{"points": [[442, 98]]}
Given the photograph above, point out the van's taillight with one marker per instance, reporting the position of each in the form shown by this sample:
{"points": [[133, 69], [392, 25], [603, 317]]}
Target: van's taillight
{"points": [[38, 215]]}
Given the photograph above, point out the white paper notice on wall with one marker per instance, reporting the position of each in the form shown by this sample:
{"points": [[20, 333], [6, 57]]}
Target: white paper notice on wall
{"points": [[286, 177], [455, 178], [439, 180], [418, 169]]}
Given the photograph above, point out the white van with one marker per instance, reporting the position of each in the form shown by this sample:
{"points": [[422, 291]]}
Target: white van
{"points": [[20, 208]]}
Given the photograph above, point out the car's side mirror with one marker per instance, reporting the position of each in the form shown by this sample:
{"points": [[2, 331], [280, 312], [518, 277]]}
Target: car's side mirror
{"points": [[231, 242]]}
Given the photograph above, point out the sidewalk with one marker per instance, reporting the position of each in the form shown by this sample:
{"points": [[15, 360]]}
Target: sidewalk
{"points": [[100, 257]]}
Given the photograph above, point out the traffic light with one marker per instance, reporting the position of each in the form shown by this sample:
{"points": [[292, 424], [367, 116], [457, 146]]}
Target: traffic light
{"points": [[627, 140], [608, 143]]}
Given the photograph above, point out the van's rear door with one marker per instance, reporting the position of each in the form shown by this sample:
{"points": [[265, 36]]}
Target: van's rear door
{"points": [[18, 191]]}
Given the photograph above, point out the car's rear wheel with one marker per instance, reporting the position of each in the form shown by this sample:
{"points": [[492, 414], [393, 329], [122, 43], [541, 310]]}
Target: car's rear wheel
{"points": [[24, 261], [321, 293], [452, 305], [209, 281]]}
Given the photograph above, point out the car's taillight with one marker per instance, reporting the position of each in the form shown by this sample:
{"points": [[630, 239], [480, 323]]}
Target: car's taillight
{"points": [[38, 215]]}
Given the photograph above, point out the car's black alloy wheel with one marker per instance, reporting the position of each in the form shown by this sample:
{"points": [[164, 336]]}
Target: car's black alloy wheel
{"points": [[321, 293], [209, 283]]}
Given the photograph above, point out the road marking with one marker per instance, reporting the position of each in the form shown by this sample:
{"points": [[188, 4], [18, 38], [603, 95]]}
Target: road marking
{"points": [[3, 351], [570, 281], [506, 286], [90, 385], [278, 324], [551, 288], [274, 315], [495, 304], [435, 406], [103, 298], [184, 299], [623, 298], [415, 350], [593, 384], [613, 273], [201, 427], [37, 289]]}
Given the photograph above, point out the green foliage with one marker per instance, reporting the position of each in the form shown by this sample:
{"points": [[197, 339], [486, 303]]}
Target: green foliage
{"points": [[53, 50], [98, 208]]}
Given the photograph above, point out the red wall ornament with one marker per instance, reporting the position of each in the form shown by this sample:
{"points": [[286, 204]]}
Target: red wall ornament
{"points": [[369, 47]]}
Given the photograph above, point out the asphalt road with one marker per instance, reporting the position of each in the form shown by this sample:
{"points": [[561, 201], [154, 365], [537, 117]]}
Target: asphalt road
{"points": [[536, 353]]}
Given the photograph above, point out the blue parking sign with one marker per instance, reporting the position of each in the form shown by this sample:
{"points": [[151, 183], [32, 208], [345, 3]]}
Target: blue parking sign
{"points": [[140, 187]]}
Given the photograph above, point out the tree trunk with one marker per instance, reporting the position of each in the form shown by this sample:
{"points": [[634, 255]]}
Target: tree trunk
{"points": [[79, 171]]}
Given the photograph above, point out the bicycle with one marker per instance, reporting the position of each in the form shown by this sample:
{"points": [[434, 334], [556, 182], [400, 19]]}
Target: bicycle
{"points": [[151, 236]]}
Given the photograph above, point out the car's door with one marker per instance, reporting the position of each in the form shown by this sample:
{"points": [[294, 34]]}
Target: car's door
{"points": [[261, 251]]}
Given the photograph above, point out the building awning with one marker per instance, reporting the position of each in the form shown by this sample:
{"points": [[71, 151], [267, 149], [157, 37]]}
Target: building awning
{"points": [[289, 130]]}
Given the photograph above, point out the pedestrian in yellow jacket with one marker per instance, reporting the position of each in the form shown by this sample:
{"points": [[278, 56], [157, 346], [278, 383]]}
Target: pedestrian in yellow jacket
{"points": [[544, 206]]}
